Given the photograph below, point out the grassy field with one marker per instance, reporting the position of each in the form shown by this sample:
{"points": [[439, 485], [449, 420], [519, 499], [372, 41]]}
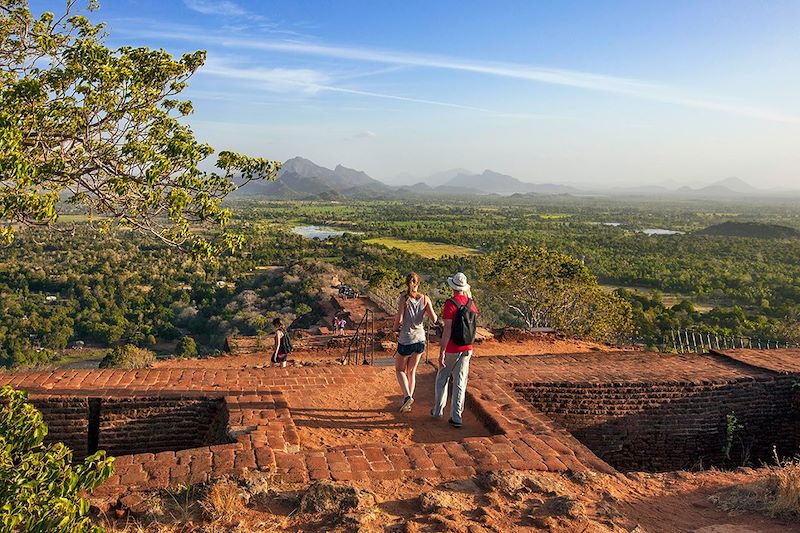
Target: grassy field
{"points": [[554, 216], [429, 250], [73, 218]]}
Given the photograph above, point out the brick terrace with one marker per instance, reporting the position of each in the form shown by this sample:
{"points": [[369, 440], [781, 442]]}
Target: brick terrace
{"points": [[509, 394], [641, 411]]}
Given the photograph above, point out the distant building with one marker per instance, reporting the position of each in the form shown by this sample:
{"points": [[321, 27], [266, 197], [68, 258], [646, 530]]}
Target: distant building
{"points": [[50, 298]]}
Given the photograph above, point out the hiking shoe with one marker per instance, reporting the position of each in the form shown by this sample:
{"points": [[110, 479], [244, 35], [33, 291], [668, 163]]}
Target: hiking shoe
{"points": [[406, 408], [455, 424]]}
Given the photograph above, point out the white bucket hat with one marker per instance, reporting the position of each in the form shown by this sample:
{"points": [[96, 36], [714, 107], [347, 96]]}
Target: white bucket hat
{"points": [[459, 282]]}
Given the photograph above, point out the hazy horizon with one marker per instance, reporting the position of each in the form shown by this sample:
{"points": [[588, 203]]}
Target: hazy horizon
{"points": [[586, 94], [407, 179]]}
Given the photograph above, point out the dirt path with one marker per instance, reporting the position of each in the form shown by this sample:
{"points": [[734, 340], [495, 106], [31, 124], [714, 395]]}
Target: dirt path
{"points": [[354, 309]]}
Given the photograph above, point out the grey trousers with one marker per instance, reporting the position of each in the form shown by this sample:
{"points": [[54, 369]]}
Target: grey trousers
{"points": [[457, 366]]}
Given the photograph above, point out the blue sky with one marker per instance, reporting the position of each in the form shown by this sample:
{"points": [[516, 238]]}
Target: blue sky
{"points": [[570, 92]]}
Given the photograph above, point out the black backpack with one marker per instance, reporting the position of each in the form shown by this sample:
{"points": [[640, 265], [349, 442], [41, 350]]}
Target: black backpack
{"points": [[464, 324], [286, 343]]}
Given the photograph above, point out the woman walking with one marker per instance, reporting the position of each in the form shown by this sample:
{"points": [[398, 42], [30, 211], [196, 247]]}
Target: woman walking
{"points": [[283, 345], [412, 308]]}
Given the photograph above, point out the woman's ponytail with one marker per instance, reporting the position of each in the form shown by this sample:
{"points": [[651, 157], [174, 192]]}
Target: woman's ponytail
{"points": [[412, 283]]}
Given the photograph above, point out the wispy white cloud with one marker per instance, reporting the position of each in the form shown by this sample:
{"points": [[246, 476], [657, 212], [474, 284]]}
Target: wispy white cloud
{"points": [[216, 7], [369, 73], [259, 24], [275, 79], [312, 82], [635, 88]]}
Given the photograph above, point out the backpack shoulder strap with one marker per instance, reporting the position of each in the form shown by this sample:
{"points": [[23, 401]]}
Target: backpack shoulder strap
{"points": [[460, 306]]}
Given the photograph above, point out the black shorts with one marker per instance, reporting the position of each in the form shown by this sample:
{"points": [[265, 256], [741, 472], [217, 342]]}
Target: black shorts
{"points": [[409, 349]]}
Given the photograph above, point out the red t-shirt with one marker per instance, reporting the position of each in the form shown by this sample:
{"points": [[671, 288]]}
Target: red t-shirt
{"points": [[449, 313]]}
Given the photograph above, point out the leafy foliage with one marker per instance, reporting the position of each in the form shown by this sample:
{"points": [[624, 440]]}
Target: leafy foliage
{"points": [[128, 356], [101, 128], [544, 288], [120, 287], [385, 278], [186, 347], [41, 487], [732, 427]]}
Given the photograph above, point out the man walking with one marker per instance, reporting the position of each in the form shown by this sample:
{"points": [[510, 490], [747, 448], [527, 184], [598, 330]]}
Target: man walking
{"points": [[460, 319]]}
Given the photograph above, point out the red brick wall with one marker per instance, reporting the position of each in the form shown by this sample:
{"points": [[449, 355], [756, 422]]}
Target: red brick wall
{"points": [[134, 424], [67, 421], [666, 426], [137, 425]]}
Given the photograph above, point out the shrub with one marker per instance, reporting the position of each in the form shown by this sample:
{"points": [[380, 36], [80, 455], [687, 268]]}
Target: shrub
{"points": [[186, 347], [786, 482], [223, 501], [41, 487], [128, 356], [302, 309], [732, 426], [784, 485]]}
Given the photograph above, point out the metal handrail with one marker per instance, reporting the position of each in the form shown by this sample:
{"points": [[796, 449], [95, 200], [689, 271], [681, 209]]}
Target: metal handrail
{"points": [[363, 341]]}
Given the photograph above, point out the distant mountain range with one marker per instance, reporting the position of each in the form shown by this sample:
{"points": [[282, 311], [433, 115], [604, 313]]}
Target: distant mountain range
{"points": [[728, 188], [490, 182], [300, 178], [303, 179]]}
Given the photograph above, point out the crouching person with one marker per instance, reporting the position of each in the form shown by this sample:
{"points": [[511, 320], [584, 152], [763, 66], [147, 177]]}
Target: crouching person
{"points": [[460, 321]]}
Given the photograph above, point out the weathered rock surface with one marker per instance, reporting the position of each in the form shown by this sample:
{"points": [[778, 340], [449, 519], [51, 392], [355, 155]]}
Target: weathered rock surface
{"points": [[329, 497]]}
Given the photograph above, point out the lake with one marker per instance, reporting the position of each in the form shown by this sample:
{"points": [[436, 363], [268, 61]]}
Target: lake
{"points": [[319, 232], [660, 231], [648, 231]]}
